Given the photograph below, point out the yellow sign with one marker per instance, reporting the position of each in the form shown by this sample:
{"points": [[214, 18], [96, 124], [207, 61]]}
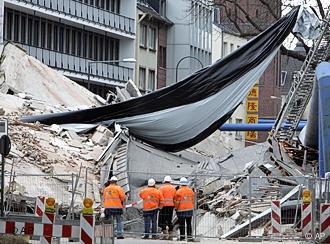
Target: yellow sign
{"points": [[88, 206], [254, 92], [307, 196], [50, 205], [252, 106], [252, 118], [251, 135]]}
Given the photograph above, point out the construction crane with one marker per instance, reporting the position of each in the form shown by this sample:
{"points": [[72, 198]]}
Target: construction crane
{"points": [[301, 89]]}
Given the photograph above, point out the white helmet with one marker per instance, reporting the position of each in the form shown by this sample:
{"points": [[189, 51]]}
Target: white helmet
{"points": [[183, 181], [151, 182], [167, 178], [113, 179]]}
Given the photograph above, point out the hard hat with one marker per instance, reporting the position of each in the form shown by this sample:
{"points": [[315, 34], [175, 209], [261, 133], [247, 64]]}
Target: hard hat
{"points": [[183, 181], [167, 178], [113, 179], [151, 182]]}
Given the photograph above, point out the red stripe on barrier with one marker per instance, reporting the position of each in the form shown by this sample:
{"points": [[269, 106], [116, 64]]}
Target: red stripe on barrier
{"points": [[324, 207], [305, 205], [28, 228], [277, 203], [275, 230], [326, 240], [276, 217], [89, 219], [51, 217], [85, 237], [39, 211], [325, 224], [307, 219], [48, 239], [48, 230], [10, 227], [66, 230]]}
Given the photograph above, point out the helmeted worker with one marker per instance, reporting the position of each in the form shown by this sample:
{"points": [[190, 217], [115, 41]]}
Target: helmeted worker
{"points": [[166, 213], [152, 202], [184, 206], [114, 197]]}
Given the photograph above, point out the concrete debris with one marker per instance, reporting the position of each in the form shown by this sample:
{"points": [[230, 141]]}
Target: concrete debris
{"points": [[132, 89], [102, 135]]}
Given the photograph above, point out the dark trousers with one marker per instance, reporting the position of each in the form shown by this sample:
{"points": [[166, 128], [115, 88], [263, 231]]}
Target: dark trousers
{"points": [[165, 218], [182, 222], [150, 222]]}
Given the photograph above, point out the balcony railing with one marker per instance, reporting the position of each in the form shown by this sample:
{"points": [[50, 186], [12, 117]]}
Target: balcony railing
{"points": [[79, 65], [79, 10]]}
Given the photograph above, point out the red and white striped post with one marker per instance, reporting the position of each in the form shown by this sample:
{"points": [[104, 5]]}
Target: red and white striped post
{"points": [[48, 220], [306, 220], [87, 222], [276, 216], [40, 206], [325, 222]]}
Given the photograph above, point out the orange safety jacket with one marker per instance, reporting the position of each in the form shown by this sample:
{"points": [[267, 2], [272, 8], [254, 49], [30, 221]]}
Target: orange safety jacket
{"points": [[184, 199], [168, 192], [113, 196], [152, 198]]}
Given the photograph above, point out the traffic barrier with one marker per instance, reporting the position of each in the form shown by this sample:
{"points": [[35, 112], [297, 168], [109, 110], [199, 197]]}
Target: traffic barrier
{"points": [[325, 222], [40, 206], [38, 229], [87, 222], [48, 219], [306, 219], [276, 216]]}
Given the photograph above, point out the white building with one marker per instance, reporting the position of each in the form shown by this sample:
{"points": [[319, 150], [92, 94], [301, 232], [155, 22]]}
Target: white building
{"points": [[68, 34], [223, 43], [189, 40]]}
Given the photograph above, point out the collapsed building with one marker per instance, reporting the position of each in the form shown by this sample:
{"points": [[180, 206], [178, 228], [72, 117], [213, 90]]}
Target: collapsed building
{"points": [[137, 137]]}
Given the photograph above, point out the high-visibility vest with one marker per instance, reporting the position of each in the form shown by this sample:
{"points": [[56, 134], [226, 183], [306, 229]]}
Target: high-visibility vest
{"points": [[168, 192], [152, 198], [184, 199], [113, 196]]}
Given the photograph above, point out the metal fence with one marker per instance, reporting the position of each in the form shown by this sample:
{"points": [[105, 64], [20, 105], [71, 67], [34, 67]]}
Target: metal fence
{"points": [[237, 207]]}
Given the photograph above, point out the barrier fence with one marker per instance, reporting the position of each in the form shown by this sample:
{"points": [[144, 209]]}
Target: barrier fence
{"points": [[226, 207]]}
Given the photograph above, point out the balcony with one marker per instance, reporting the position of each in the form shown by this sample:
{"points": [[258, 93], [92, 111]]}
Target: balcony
{"points": [[86, 13], [78, 67]]}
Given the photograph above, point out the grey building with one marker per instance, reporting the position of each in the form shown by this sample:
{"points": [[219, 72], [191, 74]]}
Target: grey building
{"points": [[68, 34], [189, 40]]}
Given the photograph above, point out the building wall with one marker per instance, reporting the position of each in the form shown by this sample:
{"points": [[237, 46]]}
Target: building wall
{"points": [[189, 36], [233, 140], [162, 54], [67, 35], [269, 83]]}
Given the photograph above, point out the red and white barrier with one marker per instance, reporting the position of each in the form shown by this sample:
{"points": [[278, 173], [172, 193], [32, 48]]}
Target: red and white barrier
{"points": [[87, 223], [48, 220], [276, 216], [40, 206], [38, 229], [306, 219], [325, 222]]}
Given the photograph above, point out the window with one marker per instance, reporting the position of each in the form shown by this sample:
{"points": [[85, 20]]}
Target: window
{"points": [[79, 43], [143, 35], [30, 35], [67, 40], [216, 16], [43, 34], [23, 29], [283, 77], [162, 56], [61, 39], [152, 38], [36, 33], [73, 42], [162, 9], [55, 47], [49, 36], [231, 47], [142, 78], [151, 80], [238, 134], [225, 49], [9, 25], [16, 28]]}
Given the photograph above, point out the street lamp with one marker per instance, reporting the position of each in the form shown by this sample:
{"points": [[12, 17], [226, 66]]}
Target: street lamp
{"points": [[125, 60], [177, 66]]}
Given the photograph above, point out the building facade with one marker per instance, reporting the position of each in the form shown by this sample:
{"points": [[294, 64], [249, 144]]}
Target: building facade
{"points": [[151, 44], [71, 35], [270, 82], [224, 41], [189, 40]]}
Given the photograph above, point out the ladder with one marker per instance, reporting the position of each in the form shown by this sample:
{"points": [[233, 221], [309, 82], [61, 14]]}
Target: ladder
{"points": [[302, 86]]}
